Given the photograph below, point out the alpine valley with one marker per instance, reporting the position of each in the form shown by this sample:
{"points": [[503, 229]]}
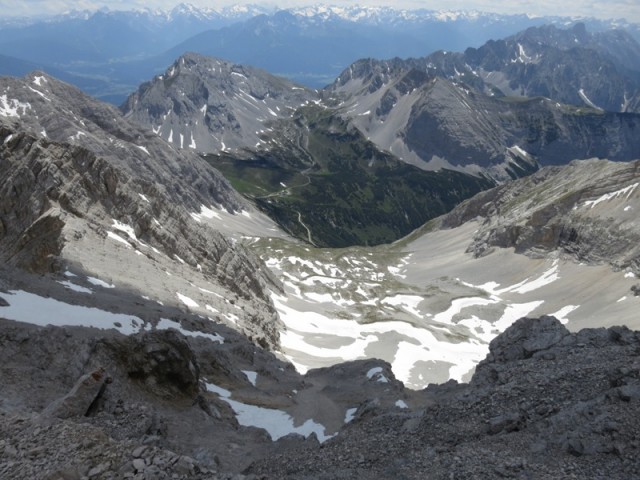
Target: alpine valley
{"points": [[426, 269]]}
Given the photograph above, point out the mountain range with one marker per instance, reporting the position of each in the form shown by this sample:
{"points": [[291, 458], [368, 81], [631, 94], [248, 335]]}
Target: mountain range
{"points": [[109, 53], [171, 305], [388, 134]]}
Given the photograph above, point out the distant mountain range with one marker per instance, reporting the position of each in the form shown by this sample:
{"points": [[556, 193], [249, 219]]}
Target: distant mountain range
{"points": [[109, 53]]}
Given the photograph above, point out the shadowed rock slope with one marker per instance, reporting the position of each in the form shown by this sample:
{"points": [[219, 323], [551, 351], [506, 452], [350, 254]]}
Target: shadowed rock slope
{"points": [[85, 403], [544, 404]]}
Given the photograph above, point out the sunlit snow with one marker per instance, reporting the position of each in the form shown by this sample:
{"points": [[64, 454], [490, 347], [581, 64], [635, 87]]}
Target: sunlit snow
{"points": [[609, 196], [187, 301], [100, 283], [10, 107]]}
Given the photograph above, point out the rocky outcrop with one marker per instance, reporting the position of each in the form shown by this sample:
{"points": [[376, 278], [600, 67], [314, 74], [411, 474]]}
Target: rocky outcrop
{"points": [[162, 362], [585, 209], [81, 397]]}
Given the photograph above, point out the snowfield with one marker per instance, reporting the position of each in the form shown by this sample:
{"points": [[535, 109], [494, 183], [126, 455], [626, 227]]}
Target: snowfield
{"points": [[426, 306]]}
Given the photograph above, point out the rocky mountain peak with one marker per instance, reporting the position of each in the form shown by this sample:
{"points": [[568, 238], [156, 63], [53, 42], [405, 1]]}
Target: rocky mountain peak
{"points": [[209, 105]]}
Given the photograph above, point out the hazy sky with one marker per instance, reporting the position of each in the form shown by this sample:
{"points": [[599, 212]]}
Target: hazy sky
{"points": [[628, 9]]}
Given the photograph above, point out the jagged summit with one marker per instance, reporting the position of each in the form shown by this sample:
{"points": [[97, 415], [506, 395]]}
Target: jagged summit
{"points": [[432, 121], [572, 66]]}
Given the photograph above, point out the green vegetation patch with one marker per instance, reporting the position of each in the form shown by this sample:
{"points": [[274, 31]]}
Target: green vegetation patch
{"points": [[323, 182]]}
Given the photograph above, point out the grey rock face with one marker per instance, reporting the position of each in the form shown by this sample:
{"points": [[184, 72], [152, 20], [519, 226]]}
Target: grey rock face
{"points": [[208, 105], [570, 66], [437, 122], [584, 209], [79, 400], [75, 170]]}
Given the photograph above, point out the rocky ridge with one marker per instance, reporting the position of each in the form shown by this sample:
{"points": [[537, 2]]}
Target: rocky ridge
{"points": [[84, 186], [433, 121], [570, 66], [586, 209]]}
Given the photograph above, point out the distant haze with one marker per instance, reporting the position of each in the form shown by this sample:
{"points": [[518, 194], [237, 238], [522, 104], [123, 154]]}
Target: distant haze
{"points": [[617, 9]]}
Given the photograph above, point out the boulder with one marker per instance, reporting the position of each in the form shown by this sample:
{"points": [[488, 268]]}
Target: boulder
{"points": [[80, 398]]}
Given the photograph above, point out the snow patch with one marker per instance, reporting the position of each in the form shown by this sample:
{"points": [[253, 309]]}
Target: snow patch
{"points": [[251, 376], [99, 283], [118, 238], [205, 212], [609, 196], [123, 227], [10, 107], [28, 307], [350, 414], [39, 93], [187, 301], [74, 287], [563, 312], [586, 100], [166, 324], [277, 423]]}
